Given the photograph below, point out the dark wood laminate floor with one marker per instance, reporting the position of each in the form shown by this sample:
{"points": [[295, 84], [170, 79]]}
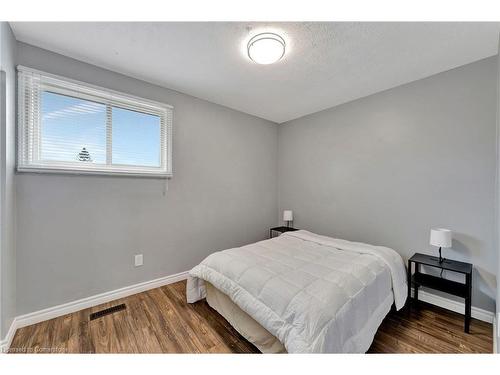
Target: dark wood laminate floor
{"points": [[160, 321]]}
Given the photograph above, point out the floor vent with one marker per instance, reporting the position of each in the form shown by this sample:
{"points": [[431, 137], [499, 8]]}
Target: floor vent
{"points": [[110, 310]]}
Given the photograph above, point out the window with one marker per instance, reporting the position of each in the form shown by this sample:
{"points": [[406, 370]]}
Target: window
{"points": [[68, 126]]}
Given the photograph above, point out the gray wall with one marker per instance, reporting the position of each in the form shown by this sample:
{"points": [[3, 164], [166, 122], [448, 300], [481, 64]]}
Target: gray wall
{"points": [[7, 187], [386, 168], [77, 234], [497, 206]]}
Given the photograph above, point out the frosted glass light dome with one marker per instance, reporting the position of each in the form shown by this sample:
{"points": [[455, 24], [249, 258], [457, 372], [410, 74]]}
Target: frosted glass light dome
{"points": [[266, 48]]}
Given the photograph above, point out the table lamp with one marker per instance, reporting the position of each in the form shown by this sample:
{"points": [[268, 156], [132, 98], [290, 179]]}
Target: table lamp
{"points": [[288, 217], [440, 238]]}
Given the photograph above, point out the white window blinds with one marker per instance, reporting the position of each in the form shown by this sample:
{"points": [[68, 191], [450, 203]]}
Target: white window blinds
{"points": [[69, 126]]}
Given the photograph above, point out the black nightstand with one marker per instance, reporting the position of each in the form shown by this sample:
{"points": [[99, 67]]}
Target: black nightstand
{"points": [[419, 279], [280, 230]]}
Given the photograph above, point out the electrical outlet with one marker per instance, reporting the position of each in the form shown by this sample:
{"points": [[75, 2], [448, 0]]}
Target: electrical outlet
{"points": [[138, 260]]}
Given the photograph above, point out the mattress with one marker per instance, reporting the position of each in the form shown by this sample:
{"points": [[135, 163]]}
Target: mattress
{"points": [[314, 294]]}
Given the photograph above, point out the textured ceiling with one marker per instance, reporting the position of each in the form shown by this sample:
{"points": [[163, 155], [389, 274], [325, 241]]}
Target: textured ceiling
{"points": [[326, 64]]}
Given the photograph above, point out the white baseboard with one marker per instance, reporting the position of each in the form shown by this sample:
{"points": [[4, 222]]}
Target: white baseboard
{"points": [[456, 306], [84, 303]]}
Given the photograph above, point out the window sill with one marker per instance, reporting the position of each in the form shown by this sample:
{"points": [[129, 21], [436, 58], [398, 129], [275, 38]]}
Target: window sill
{"points": [[95, 172]]}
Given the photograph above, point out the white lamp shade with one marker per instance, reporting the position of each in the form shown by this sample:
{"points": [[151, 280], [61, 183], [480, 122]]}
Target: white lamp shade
{"points": [[287, 215], [441, 237]]}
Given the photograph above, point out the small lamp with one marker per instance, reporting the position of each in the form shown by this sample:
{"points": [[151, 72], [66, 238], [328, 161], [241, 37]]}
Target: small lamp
{"points": [[440, 238], [288, 217]]}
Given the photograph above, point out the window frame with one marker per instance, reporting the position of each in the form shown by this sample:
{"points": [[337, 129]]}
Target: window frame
{"points": [[32, 83]]}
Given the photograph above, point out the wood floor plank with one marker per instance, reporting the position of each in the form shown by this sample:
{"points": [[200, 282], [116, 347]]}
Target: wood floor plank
{"points": [[193, 325], [184, 335], [82, 332], [101, 333], [142, 333], [161, 328], [161, 321], [215, 343]]}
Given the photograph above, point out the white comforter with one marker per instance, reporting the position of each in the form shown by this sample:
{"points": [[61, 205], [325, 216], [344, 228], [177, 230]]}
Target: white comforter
{"points": [[316, 294]]}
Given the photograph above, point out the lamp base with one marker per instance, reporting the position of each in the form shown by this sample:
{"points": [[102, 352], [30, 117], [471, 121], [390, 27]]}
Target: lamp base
{"points": [[443, 260]]}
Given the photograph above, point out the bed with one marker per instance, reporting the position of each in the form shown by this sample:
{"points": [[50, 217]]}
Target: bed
{"points": [[302, 292]]}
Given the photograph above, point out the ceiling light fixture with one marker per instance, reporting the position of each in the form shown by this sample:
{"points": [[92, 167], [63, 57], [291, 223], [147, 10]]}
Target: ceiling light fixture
{"points": [[266, 48]]}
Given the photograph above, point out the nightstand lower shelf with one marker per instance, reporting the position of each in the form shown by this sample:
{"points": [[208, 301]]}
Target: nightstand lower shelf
{"points": [[438, 283]]}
